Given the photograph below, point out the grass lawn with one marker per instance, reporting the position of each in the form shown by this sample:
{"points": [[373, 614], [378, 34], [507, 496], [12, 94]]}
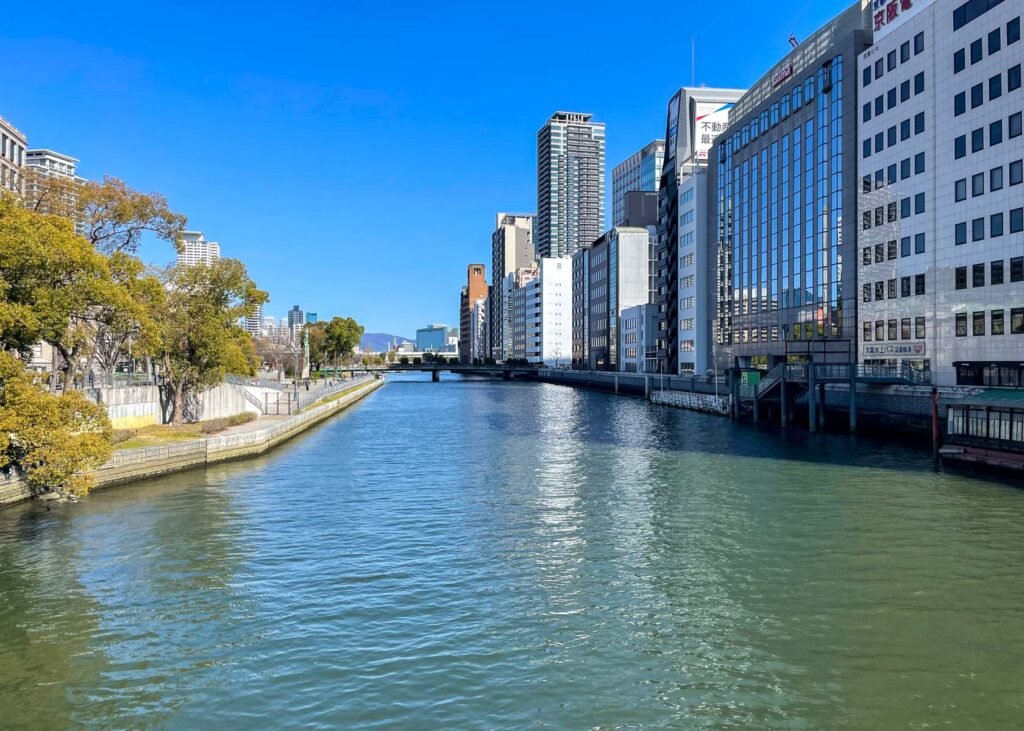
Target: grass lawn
{"points": [[152, 436]]}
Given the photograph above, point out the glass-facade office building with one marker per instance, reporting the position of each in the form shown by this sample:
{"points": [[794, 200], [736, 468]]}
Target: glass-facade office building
{"points": [[784, 201]]}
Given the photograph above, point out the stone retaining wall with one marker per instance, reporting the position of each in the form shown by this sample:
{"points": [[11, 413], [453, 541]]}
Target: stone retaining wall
{"points": [[128, 465]]}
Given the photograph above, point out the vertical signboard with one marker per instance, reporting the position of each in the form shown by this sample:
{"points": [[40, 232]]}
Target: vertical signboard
{"points": [[710, 120]]}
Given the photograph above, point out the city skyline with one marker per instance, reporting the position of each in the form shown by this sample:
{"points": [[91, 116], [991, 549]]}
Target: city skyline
{"points": [[94, 58]]}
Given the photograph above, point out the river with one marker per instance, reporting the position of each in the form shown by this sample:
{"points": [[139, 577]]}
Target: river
{"points": [[476, 554]]}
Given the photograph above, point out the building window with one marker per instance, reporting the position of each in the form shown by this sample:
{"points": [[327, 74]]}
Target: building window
{"points": [[879, 330], [978, 140], [866, 258], [919, 243], [890, 250], [959, 104], [866, 220], [866, 113], [960, 190], [866, 292], [905, 328], [891, 212], [997, 322], [905, 208], [995, 179], [905, 246], [995, 225], [1017, 321], [961, 324], [890, 98], [919, 328], [977, 95], [867, 331], [904, 130], [1017, 269], [919, 203], [919, 83], [879, 291], [905, 91], [1014, 125], [978, 323], [976, 51], [892, 329], [866, 74], [919, 43], [891, 136], [978, 275], [1016, 172], [996, 272], [879, 253], [1016, 220], [977, 185], [904, 286], [961, 234], [891, 289], [978, 229], [918, 284], [961, 277], [1013, 31], [959, 147], [959, 64], [1013, 78], [866, 148], [919, 123], [904, 168], [995, 132], [993, 41], [918, 163], [995, 87]]}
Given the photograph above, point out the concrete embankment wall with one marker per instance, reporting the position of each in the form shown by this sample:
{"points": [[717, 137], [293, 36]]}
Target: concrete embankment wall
{"points": [[134, 407], [128, 465]]}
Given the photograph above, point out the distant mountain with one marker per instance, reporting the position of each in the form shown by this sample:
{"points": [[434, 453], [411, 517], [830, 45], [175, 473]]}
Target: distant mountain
{"points": [[378, 342]]}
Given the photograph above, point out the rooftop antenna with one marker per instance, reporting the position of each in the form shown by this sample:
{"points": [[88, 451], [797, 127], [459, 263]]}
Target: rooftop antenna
{"points": [[793, 41], [693, 61]]}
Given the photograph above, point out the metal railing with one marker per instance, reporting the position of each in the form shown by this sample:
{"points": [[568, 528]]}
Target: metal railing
{"points": [[770, 379]]}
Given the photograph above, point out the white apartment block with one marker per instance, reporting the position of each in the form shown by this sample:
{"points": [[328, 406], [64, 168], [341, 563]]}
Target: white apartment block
{"points": [[479, 346], [197, 250], [638, 338], [547, 313], [518, 297], [697, 267], [941, 201], [12, 156]]}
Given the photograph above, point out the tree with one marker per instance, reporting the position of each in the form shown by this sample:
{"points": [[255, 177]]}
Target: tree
{"points": [[197, 323], [53, 440], [240, 357], [343, 335], [316, 335], [114, 217], [127, 319], [53, 285]]}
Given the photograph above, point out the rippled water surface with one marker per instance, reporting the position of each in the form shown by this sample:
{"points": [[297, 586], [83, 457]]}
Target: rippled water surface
{"points": [[473, 554]]}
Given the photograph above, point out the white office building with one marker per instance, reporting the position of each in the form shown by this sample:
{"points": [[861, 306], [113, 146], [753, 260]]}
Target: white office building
{"points": [[518, 297], [197, 250], [479, 343], [547, 313], [697, 267], [941, 264], [638, 339]]}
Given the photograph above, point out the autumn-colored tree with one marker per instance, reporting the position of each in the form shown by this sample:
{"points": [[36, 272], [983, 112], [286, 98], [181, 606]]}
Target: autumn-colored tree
{"points": [[115, 218], [53, 285], [53, 440], [240, 357], [197, 323]]}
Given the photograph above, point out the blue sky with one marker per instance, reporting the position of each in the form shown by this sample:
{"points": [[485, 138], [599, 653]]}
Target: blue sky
{"points": [[354, 154]]}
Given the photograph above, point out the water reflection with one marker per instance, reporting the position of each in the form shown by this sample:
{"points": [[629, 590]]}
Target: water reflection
{"points": [[474, 554]]}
